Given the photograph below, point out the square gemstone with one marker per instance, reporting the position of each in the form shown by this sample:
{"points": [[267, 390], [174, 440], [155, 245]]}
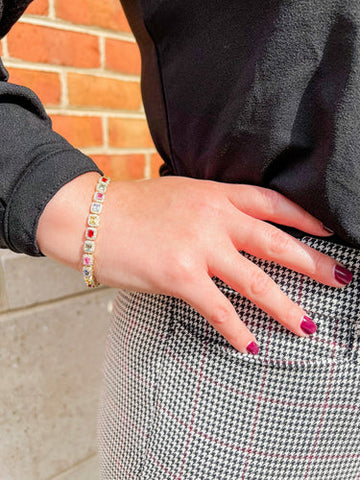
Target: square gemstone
{"points": [[95, 207], [89, 246], [104, 179], [88, 259], [101, 187], [99, 197], [93, 220], [87, 272], [90, 233]]}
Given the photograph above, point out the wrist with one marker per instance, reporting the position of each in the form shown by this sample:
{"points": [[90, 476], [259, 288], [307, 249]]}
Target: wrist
{"points": [[62, 224]]}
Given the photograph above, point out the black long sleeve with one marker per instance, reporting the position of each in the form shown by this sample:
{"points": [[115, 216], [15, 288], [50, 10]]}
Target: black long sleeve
{"points": [[35, 161], [262, 92]]}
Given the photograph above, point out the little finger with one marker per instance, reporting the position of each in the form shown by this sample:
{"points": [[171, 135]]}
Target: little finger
{"points": [[212, 304]]}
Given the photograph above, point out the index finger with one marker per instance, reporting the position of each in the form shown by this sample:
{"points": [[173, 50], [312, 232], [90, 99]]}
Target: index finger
{"points": [[266, 204]]}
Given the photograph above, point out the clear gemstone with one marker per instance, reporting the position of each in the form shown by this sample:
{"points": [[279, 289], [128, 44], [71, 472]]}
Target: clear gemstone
{"points": [[101, 187], [89, 246], [95, 207]]}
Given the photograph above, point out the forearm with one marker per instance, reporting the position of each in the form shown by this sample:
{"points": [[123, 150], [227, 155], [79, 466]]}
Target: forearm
{"points": [[62, 224]]}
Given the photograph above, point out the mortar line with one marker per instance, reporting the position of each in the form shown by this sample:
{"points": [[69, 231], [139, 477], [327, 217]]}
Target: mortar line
{"points": [[64, 90], [147, 168], [5, 49], [125, 77], [89, 112], [102, 52], [52, 13], [60, 24], [116, 151]]}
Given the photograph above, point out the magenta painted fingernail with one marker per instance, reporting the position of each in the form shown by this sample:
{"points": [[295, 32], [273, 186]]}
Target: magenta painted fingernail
{"points": [[307, 325], [253, 348], [327, 229], [342, 274]]}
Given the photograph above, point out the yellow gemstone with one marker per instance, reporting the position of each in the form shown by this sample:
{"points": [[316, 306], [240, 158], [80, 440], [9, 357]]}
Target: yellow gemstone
{"points": [[93, 220]]}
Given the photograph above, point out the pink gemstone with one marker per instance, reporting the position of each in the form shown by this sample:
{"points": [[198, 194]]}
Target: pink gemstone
{"points": [[99, 196], [87, 261]]}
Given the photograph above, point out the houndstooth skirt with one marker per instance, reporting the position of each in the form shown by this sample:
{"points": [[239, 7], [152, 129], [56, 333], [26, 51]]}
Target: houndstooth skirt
{"points": [[179, 402]]}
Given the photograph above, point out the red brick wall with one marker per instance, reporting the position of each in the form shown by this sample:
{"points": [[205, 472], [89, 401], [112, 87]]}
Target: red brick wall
{"points": [[81, 59]]}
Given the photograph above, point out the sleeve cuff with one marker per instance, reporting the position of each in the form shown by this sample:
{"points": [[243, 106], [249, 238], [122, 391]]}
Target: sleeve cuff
{"points": [[34, 190]]}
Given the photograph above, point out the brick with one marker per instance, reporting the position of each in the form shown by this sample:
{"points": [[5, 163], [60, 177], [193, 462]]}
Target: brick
{"points": [[107, 13], [50, 45], [156, 162], [122, 56], [121, 167], [45, 84], [129, 133], [104, 163], [79, 131], [50, 367], [38, 7], [89, 90]]}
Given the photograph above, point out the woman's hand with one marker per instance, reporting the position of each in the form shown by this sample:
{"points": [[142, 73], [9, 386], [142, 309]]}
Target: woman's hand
{"points": [[170, 235]]}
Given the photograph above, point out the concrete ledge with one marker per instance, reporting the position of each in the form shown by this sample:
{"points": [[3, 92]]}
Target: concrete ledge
{"points": [[26, 280], [51, 358], [87, 470]]}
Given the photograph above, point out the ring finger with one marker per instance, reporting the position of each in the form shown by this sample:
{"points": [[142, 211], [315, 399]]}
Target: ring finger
{"points": [[251, 281]]}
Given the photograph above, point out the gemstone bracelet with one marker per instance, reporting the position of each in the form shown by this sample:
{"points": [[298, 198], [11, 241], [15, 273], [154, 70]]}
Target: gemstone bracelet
{"points": [[91, 232]]}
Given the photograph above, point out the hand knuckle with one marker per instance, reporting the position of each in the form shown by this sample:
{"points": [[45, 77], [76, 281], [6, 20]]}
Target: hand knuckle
{"points": [[184, 268], [291, 312], [271, 200], [279, 242], [259, 283], [210, 207], [179, 269], [220, 316], [319, 263]]}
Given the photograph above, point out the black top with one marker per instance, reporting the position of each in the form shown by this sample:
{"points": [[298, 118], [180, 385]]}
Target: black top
{"points": [[243, 91], [264, 92]]}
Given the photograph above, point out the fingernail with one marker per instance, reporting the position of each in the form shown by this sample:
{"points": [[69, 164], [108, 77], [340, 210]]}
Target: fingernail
{"points": [[327, 229], [253, 348], [342, 274], [307, 325]]}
